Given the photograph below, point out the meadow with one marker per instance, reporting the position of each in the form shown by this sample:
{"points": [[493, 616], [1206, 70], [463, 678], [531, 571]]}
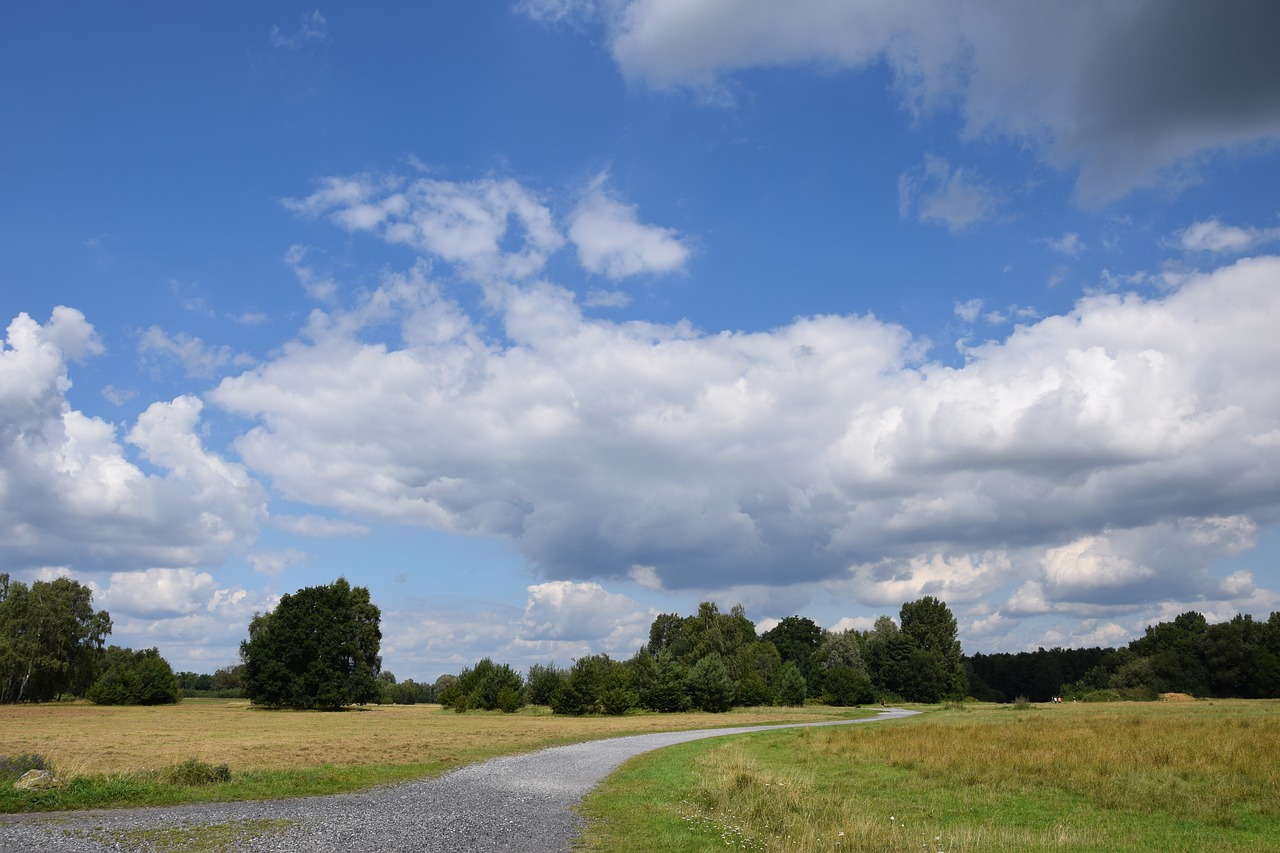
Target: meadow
{"points": [[1088, 777], [1073, 777], [120, 756]]}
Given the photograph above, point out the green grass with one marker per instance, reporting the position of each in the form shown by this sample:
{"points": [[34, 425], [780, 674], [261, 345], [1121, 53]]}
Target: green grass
{"points": [[1123, 777], [151, 788]]}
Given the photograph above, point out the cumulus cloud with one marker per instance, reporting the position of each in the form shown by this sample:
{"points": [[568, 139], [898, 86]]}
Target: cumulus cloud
{"points": [[611, 241], [828, 449], [1123, 92], [70, 495], [566, 611]]}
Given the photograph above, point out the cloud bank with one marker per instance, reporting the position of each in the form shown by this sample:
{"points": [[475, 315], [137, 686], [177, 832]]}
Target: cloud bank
{"points": [[1120, 448], [1128, 94]]}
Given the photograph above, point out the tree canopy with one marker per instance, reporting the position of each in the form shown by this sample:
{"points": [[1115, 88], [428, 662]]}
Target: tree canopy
{"points": [[317, 649]]}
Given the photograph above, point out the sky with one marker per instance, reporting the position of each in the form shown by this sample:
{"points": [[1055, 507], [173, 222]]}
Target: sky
{"points": [[542, 318]]}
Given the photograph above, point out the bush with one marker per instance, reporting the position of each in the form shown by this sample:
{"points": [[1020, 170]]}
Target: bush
{"points": [[543, 682], [192, 773], [135, 678], [488, 686], [13, 767]]}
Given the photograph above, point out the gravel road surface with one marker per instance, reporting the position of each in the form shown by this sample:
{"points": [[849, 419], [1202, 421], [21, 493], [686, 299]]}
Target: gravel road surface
{"points": [[523, 802]]}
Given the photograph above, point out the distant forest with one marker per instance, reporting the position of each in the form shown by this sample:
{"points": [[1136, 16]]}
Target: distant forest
{"points": [[1235, 659]]}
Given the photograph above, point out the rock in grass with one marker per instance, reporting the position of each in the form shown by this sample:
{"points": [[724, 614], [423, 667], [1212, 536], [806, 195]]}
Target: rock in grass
{"points": [[36, 780]]}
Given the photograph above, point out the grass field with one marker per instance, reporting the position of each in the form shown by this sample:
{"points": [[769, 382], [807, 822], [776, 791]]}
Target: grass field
{"points": [[116, 754], [1113, 777]]}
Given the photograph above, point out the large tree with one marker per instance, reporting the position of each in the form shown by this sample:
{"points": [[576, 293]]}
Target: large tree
{"points": [[931, 629], [317, 649], [50, 639]]}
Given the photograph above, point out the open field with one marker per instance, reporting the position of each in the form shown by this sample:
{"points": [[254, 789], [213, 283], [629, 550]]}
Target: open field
{"points": [[292, 753], [1110, 777]]}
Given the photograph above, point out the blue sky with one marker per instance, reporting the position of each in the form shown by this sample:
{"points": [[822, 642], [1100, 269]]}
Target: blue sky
{"points": [[542, 318]]}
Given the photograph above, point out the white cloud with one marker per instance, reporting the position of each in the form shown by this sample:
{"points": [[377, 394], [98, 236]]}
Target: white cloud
{"points": [[791, 455], [1211, 235], [317, 525], [157, 593], [471, 225], [612, 242], [1124, 92], [196, 358], [70, 495], [275, 563], [582, 612], [969, 310], [956, 198], [1068, 244]]}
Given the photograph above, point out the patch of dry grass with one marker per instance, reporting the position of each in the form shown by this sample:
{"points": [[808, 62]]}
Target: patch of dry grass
{"points": [[83, 739]]}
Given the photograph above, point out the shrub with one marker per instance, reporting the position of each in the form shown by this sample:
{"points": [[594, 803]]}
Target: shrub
{"points": [[193, 773], [791, 685], [1022, 703], [847, 685], [543, 682], [488, 686], [12, 767], [135, 678]]}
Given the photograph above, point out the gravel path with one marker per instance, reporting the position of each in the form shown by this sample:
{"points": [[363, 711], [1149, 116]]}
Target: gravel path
{"points": [[522, 802]]}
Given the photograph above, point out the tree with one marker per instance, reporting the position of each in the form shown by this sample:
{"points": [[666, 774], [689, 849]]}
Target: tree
{"points": [[709, 685], [797, 639], [931, 627], [317, 649], [50, 639], [135, 678], [791, 686]]}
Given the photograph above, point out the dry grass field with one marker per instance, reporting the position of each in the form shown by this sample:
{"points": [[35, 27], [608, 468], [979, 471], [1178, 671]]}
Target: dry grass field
{"points": [[83, 739]]}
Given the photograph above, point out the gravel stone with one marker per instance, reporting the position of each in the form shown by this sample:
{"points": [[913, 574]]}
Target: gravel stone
{"points": [[520, 802]]}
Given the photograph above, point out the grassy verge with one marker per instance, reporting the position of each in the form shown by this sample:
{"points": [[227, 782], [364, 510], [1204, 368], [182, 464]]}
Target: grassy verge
{"points": [[1123, 777], [111, 757]]}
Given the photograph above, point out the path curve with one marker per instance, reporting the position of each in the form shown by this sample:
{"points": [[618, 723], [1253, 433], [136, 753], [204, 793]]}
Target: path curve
{"points": [[520, 802]]}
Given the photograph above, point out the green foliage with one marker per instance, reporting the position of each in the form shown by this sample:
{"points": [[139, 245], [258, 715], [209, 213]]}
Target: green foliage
{"points": [[791, 685], [582, 690], [542, 683], [844, 686], [487, 686], [50, 639], [135, 678], [708, 684], [797, 639], [618, 700], [659, 681], [317, 649]]}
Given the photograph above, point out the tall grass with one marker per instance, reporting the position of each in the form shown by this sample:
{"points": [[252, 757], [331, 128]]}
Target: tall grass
{"points": [[1052, 778]]}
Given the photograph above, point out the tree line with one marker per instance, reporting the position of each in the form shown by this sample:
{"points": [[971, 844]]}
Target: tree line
{"points": [[1239, 659], [319, 648], [712, 661]]}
